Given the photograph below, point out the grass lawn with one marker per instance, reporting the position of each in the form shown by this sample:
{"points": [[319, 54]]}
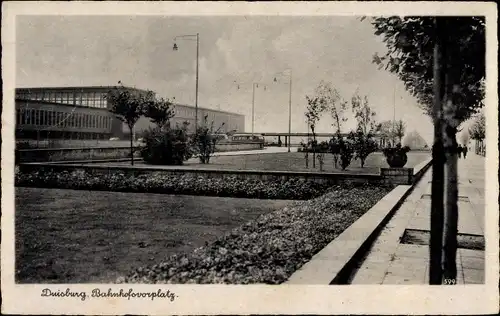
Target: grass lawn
{"points": [[295, 161], [67, 236]]}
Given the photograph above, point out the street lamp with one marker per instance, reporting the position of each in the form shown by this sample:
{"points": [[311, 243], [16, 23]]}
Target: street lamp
{"points": [[289, 103], [254, 85], [175, 48]]}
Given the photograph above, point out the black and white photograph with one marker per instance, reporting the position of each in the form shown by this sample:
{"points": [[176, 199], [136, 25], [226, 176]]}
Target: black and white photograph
{"points": [[241, 145]]}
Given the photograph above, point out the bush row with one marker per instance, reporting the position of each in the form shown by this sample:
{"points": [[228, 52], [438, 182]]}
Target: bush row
{"points": [[158, 182], [268, 249]]}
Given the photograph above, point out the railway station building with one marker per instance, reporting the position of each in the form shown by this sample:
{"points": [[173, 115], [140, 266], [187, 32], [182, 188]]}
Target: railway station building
{"points": [[83, 113]]}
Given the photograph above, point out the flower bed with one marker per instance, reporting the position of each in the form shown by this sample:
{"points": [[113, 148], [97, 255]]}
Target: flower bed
{"points": [[158, 182], [270, 248]]}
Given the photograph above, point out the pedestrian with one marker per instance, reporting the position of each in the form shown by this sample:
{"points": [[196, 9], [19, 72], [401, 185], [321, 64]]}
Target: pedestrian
{"points": [[459, 151], [465, 152]]}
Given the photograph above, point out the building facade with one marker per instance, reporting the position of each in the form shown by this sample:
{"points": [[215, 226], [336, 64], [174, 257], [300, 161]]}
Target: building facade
{"points": [[83, 113]]}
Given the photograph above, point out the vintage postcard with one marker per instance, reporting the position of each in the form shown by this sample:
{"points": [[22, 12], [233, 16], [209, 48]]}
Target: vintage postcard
{"points": [[217, 158]]}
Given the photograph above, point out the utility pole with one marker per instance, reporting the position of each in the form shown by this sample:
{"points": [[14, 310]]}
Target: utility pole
{"points": [[394, 119], [437, 202], [253, 105], [290, 113], [197, 76]]}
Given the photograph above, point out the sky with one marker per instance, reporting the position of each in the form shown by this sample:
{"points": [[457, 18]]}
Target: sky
{"points": [[234, 52]]}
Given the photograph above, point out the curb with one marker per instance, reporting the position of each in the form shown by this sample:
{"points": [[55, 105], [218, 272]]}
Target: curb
{"points": [[335, 263]]}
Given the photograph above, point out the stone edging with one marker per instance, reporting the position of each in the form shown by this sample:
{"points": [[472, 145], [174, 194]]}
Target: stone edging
{"points": [[334, 263]]}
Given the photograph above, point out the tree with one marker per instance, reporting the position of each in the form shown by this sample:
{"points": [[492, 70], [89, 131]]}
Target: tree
{"points": [[337, 107], [128, 106], [386, 133], [478, 132], [464, 138], [159, 112], [441, 61], [316, 105], [362, 139], [399, 130], [205, 140]]}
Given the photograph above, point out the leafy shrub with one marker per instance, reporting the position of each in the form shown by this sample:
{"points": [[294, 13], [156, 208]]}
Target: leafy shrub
{"points": [[390, 151], [270, 248], [166, 146], [364, 145], [345, 148], [204, 141]]}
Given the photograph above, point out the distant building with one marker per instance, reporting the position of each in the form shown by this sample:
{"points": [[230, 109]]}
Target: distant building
{"points": [[414, 140], [83, 113]]}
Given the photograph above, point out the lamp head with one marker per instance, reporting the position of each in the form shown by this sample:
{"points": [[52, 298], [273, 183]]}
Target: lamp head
{"points": [[175, 47]]}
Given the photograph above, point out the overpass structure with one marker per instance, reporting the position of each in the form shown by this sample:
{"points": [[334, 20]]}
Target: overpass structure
{"points": [[288, 136]]}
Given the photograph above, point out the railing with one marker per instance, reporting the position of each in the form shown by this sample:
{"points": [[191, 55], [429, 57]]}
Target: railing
{"points": [[72, 154]]}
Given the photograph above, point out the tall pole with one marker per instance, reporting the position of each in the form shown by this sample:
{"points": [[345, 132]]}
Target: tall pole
{"points": [[290, 113], [394, 118], [197, 66], [437, 202], [253, 105]]}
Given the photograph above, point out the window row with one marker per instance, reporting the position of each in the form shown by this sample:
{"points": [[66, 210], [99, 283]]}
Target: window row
{"points": [[186, 112], [62, 119], [90, 99]]}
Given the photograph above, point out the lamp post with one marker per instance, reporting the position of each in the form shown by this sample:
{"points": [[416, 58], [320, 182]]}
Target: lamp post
{"points": [[175, 48], [289, 104], [254, 85]]}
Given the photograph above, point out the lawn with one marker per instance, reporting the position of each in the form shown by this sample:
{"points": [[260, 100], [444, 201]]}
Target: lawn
{"points": [[67, 236], [295, 162]]}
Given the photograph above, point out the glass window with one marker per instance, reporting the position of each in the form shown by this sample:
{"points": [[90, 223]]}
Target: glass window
{"points": [[24, 117], [31, 117]]}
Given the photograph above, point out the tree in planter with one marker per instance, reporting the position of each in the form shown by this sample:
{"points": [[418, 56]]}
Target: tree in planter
{"points": [[362, 139], [128, 106], [205, 140], [441, 61]]}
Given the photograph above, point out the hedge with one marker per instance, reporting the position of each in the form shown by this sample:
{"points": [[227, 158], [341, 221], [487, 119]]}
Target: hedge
{"points": [[158, 182]]}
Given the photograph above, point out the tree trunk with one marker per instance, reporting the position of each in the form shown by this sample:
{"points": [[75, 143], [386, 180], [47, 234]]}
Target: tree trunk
{"points": [[451, 209], [451, 148], [131, 144], [314, 147], [436, 238]]}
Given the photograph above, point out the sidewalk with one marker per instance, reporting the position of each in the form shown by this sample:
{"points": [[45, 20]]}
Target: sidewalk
{"points": [[392, 262]]}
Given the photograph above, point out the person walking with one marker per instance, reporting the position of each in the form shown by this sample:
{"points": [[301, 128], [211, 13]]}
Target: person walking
{"points": [[465, 151]]}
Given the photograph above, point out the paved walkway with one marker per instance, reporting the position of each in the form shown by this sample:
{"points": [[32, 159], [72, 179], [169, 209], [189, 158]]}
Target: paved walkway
{"points": [[391, 262]]}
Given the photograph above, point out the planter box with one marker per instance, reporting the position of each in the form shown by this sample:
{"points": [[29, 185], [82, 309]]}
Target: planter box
{"points": [[397, 176]]}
